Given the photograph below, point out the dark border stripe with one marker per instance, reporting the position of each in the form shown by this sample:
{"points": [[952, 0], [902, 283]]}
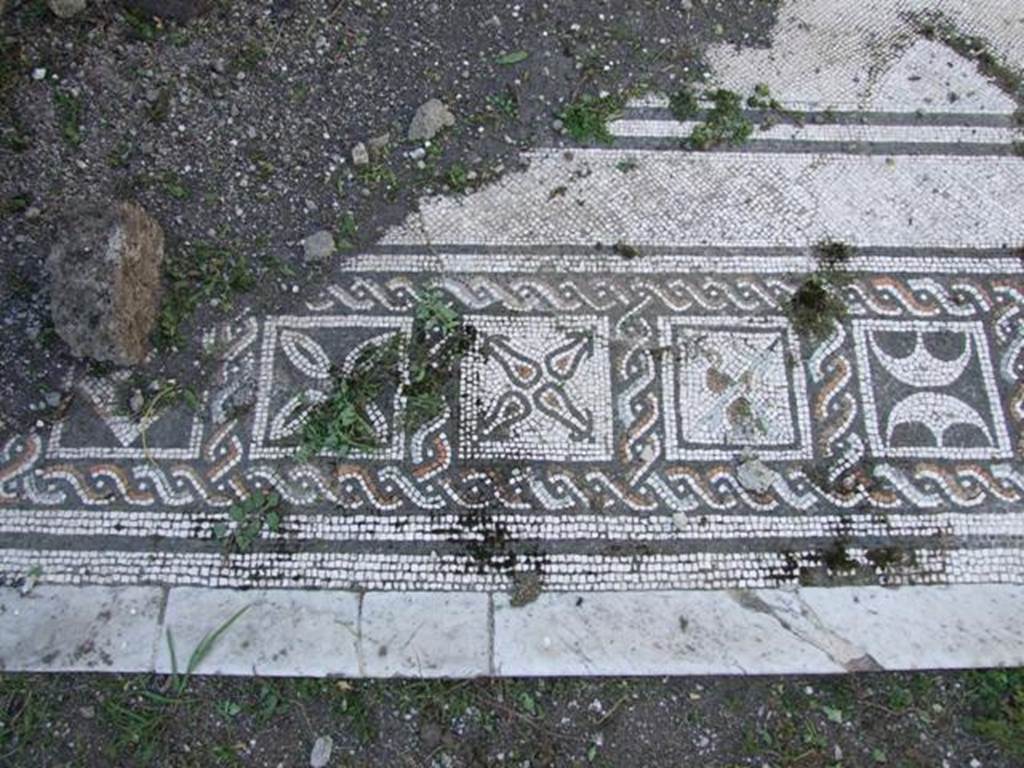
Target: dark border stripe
{"points": [[923, 119], [802, 146], [557, 250]]}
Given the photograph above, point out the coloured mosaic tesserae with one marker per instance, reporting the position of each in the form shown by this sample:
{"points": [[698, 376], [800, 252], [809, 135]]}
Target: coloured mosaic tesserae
{"points": [[746, 403]]}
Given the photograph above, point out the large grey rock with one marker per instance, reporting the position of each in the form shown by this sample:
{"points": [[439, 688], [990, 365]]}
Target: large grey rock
{"points": [[105, 281], [429, 120], [176, 10], [65, 9]]}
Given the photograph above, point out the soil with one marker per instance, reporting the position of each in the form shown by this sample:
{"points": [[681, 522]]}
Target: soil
{"points": [[925, 720], [235, 130]]}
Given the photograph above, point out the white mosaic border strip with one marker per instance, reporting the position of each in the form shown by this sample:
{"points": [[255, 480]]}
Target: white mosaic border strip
{"points": [[846, 133], [364, 528], [714, 261], [561, 572]]}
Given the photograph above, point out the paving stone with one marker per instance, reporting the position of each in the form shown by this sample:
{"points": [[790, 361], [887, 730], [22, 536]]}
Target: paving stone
{"points": [[79, 629], [425, 635], [928, 628], [281, 632], [672, 633]]}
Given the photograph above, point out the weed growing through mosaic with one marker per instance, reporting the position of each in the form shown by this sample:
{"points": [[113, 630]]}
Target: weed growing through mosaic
{"points": [[249, 518], [683, 104], [936, 26], [817, 306], [762, 99], [196, 274], [724, 123], [440, 340], [341, 423], [586, 119]]}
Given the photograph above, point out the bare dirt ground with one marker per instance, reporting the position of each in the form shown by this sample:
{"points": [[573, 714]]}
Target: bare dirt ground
{"points": [[235, 131], [922, 720]]}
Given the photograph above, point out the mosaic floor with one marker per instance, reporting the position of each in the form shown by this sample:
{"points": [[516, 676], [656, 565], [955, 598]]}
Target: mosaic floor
{"points": [[632, 357]]}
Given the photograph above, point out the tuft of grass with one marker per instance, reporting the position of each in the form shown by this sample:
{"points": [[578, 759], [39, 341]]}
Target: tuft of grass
{"points": [[347, 232], [69, 116], [457, 178], [140, 713], [998, 703], [172, 185], [377, 174], [833, 254], [724, 123], [684, 104], [15, 204], [197, 274], [158, 111], [627, 165], [505, 104], [625, 250], [762, 99], [440, 340], [24, 714], [586, 119], [248, 519], [248, 58], [815, 308], [141, 28]]}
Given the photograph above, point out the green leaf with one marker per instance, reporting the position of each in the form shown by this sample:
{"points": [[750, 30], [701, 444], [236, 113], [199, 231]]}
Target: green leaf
{"points": [[209, 640], [832, 713], [191, 399], [528, 703], [514, 57]]}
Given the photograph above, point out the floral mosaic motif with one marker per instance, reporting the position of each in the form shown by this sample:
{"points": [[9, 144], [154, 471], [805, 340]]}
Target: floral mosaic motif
{"points": [[300, 359]]}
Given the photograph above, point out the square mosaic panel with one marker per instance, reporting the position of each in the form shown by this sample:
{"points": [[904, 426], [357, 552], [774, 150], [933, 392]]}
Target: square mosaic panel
{"points": [[733, 384], [537, 388], [929, 390], [301, 357]]}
